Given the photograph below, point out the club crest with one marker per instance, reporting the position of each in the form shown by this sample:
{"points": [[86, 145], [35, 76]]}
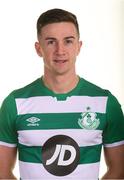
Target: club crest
{"points": [[88, 120]]}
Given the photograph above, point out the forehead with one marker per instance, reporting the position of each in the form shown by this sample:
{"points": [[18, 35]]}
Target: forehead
{"points": [[62, 29]]}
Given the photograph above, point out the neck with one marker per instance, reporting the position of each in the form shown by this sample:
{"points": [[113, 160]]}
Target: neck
{"points": [[60, 84]]}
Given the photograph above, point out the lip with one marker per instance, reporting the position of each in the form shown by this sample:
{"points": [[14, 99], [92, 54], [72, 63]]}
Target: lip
{"points": [[60, 60]]}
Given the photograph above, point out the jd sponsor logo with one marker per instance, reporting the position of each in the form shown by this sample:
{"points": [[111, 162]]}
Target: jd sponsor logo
{"points": [[33, 121], [60, 155]]}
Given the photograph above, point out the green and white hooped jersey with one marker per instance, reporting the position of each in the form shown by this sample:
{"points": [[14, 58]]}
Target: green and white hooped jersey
{"points": [[59, 136]]}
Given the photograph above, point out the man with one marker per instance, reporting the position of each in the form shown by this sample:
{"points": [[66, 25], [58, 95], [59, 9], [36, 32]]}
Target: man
{"points": [[59, 122]]}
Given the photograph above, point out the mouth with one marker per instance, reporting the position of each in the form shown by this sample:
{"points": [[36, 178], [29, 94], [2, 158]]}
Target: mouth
{"points": [[59, 61]]}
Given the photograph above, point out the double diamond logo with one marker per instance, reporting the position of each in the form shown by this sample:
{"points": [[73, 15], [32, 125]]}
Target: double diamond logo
{"points": [[33, 121]]}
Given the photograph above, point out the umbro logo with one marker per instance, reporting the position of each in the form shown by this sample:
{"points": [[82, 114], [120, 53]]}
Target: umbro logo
{"points": [[33, 121]]}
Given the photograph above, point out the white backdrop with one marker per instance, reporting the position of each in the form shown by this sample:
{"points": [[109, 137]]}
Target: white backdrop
{"points": [[100, 61]]}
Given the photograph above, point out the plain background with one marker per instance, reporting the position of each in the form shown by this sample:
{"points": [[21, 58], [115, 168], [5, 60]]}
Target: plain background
{"points": [[101, 60]]}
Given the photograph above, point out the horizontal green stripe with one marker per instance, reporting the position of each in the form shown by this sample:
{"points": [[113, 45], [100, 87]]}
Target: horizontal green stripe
{"points": [[90, 154], [29, 154], [55, 121]]}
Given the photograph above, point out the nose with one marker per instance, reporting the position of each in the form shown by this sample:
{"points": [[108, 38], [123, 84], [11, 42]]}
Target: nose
{"points": [[60, 49]]}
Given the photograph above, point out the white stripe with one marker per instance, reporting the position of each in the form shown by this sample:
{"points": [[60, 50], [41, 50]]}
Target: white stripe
{"points": [[37, 171], [39, 137], [114, 144], [48, 104], [7, 144]]}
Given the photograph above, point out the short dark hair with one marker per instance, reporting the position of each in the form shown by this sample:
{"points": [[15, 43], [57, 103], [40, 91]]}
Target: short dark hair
{"points": [[56, 16]]}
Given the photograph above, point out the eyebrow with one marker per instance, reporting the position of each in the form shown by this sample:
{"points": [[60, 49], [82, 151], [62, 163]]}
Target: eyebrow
{"points": [[52, 38], [70, 37]]}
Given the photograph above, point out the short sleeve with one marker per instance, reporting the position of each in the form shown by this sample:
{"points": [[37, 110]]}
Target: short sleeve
{"points": [[113, 134], [8, 134]]}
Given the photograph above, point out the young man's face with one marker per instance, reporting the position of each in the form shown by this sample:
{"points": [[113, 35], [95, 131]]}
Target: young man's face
{"points": [[59, 46]]}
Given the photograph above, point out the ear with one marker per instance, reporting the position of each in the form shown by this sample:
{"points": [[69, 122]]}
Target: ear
{"points": [[38, 49], [79, 46]]}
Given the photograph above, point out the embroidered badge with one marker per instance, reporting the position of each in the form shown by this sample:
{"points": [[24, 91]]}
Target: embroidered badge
{"points": [[88, 120]]}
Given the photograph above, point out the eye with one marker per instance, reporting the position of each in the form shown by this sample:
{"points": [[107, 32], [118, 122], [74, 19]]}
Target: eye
{"points": [[69, 41], [50, 42]]}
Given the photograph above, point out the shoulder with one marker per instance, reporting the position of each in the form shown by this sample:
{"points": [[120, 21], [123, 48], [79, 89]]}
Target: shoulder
{"points": [[27, 90], [92, 89], [24, 92]]}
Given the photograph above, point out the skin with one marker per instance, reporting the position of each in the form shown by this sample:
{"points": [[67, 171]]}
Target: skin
{"points": [[7, 162], [114, 157], [59, 45], [56, 75]]}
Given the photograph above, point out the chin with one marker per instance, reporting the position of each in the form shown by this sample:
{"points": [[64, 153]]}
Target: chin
{"points": [[61, 73]]}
